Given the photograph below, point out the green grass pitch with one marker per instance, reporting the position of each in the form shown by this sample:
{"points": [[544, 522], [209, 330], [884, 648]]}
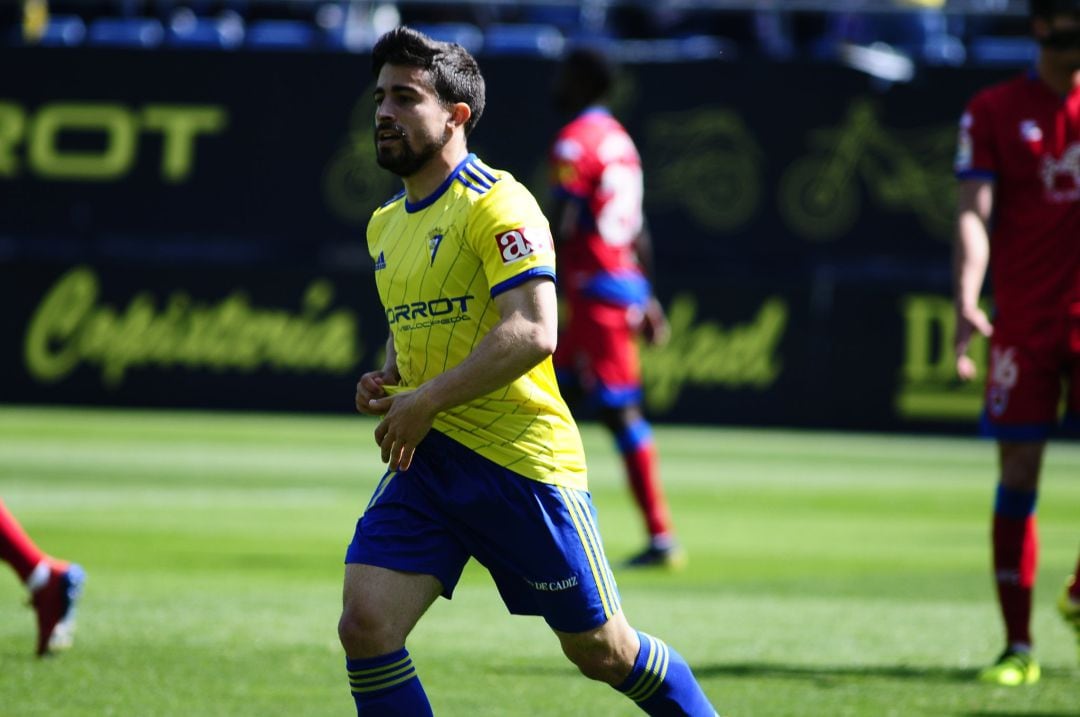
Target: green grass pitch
{"points": [[830, 574]]}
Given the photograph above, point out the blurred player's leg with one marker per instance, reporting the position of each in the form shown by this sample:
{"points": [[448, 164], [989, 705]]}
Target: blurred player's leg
{"points": [[638, 452], [1069, 605], [633, 436], [54, 585], [1015, 548], [16, 547], [613, 370], [1073, 587]]}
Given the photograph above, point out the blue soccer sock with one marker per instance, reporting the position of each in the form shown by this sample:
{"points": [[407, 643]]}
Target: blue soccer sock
{"points": [[387, 686], [662, 684]]}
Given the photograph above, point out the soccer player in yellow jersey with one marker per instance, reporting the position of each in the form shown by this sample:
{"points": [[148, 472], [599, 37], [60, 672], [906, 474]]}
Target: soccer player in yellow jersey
{"points": [[483, 458]]}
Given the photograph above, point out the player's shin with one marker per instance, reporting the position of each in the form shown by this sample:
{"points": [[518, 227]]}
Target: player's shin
{"points": [[662, 684], [638, 452], [1015, 547], [387, 686]]}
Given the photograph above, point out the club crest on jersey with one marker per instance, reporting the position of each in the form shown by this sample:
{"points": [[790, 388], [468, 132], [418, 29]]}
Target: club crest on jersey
{"points": [[519, 243], [434, 240], [1030, 131]]}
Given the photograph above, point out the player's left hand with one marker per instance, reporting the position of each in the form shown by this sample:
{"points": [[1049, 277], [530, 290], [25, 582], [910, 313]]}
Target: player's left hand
{"points": [[370, 386], [969, 321], [654, 324], [407, 418]]}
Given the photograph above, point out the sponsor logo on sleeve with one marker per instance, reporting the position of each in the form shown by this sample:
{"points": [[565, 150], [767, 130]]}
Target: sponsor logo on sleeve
{"points": [[964, 148], [568, 150], [516, 244]]}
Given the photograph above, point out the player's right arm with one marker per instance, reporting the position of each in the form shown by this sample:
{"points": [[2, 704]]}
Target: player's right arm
{"points": [[572, 183], [971, 256], [524, 336], [565, 214], [371, 384]]}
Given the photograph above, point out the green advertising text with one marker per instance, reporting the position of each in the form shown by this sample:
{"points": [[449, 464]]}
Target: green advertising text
{"points": [[41, 139], [705, 355], [71, 327], [929, 388]]}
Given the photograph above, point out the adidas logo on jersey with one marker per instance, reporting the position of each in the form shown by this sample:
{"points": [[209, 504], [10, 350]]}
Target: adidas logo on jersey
{"points": [[380, 263]]}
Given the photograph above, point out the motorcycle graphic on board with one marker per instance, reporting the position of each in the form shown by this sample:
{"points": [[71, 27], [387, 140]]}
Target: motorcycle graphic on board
{"points": [[820, 195]]}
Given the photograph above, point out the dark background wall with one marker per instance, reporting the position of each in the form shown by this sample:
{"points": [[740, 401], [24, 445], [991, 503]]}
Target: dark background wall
{"points": [[187, 229]]}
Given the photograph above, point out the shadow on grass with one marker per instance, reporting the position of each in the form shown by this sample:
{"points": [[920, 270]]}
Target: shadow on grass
{"points": [[786, 672], [823, 673], [925, 673], [931, 673], [1017, 714]]}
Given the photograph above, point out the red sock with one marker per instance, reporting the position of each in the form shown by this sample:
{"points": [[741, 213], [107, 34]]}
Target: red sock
{"points": [[641, 470], [1074, 591], [16, 547], [1016, 549]]}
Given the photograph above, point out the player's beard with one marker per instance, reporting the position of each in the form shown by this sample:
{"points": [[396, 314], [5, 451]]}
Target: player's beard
{"points": [[405, 160]]}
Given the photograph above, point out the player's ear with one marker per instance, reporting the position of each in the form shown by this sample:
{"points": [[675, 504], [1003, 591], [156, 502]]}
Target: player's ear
{"points": [[459, 114]]}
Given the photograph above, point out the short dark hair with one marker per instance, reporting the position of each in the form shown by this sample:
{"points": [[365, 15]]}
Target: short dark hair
{"points": [[453, 72], [1048, 8], [592, 71]]}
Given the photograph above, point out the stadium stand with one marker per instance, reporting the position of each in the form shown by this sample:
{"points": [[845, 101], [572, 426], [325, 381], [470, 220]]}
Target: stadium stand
{"points": [[523, 39], [990, 50], [281, 35], [929, 32], [185, 29], [925, 35], [64, 31], [141, 32], [465, 34]]}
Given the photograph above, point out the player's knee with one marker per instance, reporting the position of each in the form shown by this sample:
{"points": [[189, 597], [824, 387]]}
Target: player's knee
{"points": [[599, 662], [620, 419], [365, 634]]}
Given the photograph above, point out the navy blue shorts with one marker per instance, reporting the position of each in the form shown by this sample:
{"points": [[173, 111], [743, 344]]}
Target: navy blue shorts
{"points": [[539, 542]]}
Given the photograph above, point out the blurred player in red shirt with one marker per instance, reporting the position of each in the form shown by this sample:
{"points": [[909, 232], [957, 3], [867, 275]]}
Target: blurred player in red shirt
{"points": [[1018, 162], [604, 258]]}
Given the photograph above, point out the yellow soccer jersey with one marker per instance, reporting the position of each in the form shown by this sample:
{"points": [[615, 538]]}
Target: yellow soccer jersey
{"points": [[439, 264]]}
